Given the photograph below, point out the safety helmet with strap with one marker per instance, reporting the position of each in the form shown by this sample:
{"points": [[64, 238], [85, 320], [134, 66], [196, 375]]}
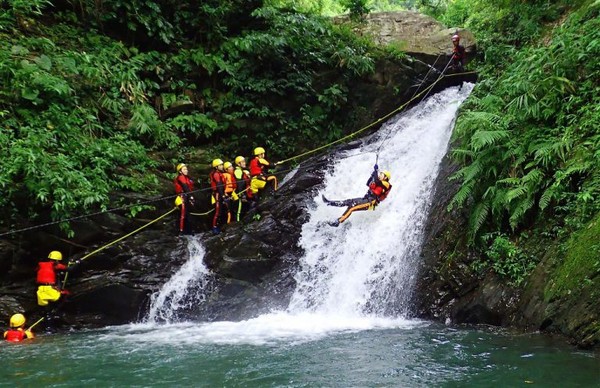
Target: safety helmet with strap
{"points": [[258, 151], [387, 174], [239, 159], [55, 255], [216, 162], [180, 166], [226, 165], [17, 320]]}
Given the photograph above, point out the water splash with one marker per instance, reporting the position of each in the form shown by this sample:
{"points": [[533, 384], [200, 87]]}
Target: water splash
{"points": [[184, 290], [368, 264]]}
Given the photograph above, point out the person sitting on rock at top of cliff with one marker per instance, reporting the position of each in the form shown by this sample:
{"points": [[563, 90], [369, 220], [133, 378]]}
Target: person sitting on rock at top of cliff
{"points": [[259, 168], [48, 277], [379, 188], [17, 331], [184, 187], [457, 61]]}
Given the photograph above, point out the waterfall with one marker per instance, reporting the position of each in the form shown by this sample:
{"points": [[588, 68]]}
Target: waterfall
{"points": [[367, 266], [185, 288]]}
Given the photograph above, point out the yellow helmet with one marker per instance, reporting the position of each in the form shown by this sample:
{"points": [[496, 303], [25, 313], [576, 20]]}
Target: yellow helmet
{"points": [[216, 162], [387, 174], [55, 255], [180, 166], [17, 320], [226, 165], [178, 200], [258, 151], [239, 159]]}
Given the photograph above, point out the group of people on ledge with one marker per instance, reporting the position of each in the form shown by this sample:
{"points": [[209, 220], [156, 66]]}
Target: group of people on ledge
{"points": [[235, 189], [50, 290]]}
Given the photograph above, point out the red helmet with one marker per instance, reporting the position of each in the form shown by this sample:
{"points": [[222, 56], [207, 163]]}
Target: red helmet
{"points": [[455, 38]]}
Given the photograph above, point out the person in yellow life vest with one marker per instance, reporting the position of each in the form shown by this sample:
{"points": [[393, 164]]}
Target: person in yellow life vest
{"points": [[379, 188], [48, 278], [242, 180], [217, 184], [259, 168], [17, 331], [230, 198]]}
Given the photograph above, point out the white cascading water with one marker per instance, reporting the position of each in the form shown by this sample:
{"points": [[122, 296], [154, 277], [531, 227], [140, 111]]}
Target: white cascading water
{"points": [[368, 265], [185, 287], [359, 275]]}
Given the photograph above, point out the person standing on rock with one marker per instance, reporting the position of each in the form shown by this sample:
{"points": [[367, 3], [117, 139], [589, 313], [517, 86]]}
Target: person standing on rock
{"points": [[379, 188], [48, 279], [457, 62], [259, 168], [242, 180], [17, 331], [217, 184], [231, 198], [184, 187]]}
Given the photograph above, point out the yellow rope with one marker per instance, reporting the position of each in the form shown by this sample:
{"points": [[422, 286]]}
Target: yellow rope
{"points": [[119, 239], [373, 123], [38, 321]]}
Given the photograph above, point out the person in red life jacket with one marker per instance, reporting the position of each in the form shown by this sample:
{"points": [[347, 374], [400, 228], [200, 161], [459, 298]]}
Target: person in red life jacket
{"points": [[217, 184], [184, 187], [230, 199], [379, 188], [259, 168], [17, 331], [457, 62], [48, 278], [242, 180]]}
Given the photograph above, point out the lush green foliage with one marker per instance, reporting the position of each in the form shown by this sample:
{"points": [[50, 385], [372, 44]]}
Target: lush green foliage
{"points": [[529, 139], [505, 258], [529, 135]]}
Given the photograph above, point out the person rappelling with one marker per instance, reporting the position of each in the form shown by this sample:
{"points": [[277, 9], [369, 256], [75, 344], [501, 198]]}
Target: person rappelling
{"points": [[379, 188]]}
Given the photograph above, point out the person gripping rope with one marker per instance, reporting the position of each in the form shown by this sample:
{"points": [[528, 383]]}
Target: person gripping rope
{"points": [[17, 331], [259, 168], [379, 188], [48, 279], [184, 187]]}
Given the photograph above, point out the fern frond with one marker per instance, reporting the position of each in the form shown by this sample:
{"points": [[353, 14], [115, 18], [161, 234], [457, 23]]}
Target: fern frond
{"points": [[478, 217], [482, 139]]}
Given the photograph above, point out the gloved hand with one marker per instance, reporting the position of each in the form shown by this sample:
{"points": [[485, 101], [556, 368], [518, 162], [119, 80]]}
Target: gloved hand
{"points": [[376, 167], [76, 262]]}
